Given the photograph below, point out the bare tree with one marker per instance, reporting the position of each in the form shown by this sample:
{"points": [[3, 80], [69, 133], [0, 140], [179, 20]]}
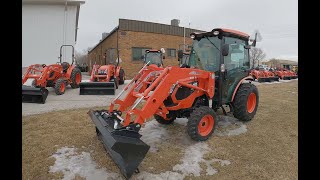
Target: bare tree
{"points": [[256, 55], [81, 57]]}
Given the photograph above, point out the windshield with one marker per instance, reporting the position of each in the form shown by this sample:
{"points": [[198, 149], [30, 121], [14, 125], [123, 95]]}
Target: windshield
{"points": [[205, 55], [185, 59], [154, 58]]}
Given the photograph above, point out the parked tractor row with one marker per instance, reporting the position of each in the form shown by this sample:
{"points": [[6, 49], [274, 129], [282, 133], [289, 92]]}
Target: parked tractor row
{"points": [[262, 75]]}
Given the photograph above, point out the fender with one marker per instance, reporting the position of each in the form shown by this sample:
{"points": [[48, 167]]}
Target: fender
{"points": [[69, 71], [237, 87]]}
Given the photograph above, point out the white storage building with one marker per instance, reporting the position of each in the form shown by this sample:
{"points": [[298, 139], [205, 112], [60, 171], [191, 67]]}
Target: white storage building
{"points": [[46, 25]]}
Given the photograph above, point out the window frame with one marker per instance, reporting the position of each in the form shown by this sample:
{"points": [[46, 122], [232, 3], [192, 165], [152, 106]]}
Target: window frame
{"points": [[169, 52], [143, 51]]}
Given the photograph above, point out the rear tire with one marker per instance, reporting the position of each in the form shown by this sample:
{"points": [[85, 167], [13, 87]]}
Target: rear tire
{"points": [[202, 123], [75, 78], [163, 121], [60, 86], [246, 102], [121, 76]]}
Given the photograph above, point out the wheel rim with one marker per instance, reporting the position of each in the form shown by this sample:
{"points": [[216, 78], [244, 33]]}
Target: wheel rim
{"points": [[252, 101], [78, 78], [62, 87], [205, 126]]}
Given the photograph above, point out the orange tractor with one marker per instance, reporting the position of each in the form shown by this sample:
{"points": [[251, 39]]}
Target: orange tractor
{"points": [[263, 75], [104, 80], [154, 56], [57, 76], [218, 70], [285, 74], [184, 61]]}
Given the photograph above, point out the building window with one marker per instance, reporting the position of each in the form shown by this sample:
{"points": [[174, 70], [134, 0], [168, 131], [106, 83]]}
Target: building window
{"points": [[137, 52], [171, 52]]}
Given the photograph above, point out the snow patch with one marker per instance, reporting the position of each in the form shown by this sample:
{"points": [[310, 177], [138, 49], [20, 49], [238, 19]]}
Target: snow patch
{"points": [[70, 163], [189, 166], [153, 133], [212, 171], [193, 156], [229, 126], [181, 121]]}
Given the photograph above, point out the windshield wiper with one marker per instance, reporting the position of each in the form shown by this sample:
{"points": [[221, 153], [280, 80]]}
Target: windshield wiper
{"points": [[212, 43]]}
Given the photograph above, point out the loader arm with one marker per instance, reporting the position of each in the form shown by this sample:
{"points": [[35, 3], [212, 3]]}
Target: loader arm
{"points": [[163, 82]]}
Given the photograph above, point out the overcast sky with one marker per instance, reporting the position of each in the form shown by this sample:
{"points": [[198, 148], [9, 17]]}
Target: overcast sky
{"points": [[277, 20]]}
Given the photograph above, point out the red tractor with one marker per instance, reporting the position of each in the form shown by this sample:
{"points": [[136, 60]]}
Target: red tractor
{"points": [[218, 70], [285, 74], [263, 75], [104, 80], [57, 76], [153, 56]]}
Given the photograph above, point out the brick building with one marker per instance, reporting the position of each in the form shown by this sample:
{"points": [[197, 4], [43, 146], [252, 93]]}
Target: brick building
{"points": [[133, 38]]}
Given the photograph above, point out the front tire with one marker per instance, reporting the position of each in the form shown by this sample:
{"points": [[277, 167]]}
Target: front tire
{"points": [[60, 86], [202, 123], [246, 102]]}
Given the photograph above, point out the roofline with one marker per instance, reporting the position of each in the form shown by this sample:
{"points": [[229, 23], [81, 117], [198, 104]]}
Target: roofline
{"points": [[53, 2], [118, 28], [111, 32]]}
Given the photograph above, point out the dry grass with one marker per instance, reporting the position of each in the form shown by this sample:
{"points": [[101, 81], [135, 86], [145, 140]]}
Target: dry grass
{"points": [[269, 150]]}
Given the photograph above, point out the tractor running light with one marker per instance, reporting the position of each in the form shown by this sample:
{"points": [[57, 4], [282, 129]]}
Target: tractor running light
{"points": [[215, 33], [212, 76], [192, 36]]}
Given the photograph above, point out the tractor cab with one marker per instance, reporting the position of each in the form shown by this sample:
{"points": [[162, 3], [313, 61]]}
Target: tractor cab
{"points": [[184, 61], [154, 56], [224, 52]]}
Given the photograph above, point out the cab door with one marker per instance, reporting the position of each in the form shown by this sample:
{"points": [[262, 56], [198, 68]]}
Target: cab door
{"points": [[237, 67]]}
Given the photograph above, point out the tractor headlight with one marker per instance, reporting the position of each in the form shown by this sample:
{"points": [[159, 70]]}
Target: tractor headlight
{"points": [[192, 36], [215, 33]]}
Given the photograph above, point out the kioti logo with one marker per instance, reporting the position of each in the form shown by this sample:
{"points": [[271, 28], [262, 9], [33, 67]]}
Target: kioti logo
{"points": [[194, 72]]}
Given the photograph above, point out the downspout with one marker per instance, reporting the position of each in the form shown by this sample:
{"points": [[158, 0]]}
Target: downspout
{"points": [[118, 48]]}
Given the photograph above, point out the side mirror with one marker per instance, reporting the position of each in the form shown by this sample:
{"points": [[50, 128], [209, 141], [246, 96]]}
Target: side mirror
{"points": [[225, 50], [180, 54], [247, 47]]}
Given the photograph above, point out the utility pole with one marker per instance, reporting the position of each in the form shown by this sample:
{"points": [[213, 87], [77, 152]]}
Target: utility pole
{"points": [[184, 38]]}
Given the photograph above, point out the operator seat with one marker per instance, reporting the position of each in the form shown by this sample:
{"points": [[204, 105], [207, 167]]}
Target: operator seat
{"points": [[65, 66]]}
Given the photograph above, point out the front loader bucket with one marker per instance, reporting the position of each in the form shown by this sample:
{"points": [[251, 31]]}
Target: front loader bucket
{"points": [[34, 95], [97, 88], [125, 147]]}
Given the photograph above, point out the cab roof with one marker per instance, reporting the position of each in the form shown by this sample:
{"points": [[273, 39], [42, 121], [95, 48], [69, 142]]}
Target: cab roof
{"points": [[224, 32]]}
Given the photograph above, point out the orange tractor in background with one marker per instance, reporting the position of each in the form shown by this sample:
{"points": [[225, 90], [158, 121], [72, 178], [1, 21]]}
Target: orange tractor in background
{"points": [[263, 75], [218, 70], [285, 74], [104, 79], [154, 56], [58, 76]]}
